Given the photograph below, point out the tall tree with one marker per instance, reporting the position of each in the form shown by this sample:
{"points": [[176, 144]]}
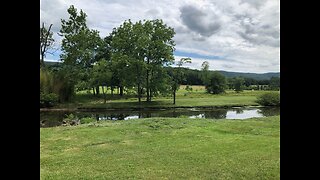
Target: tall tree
{"points": [[80, 45], [205, 72], [160, 47], [46, 42], [147, 45], [274, 83], [238, 84]]}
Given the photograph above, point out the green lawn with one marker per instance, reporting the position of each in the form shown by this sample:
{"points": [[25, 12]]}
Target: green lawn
{"points": [[163, 148], [197, 97]]}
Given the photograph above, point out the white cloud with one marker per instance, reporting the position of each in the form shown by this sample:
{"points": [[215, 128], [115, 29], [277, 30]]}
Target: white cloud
{"points": [[246, 33]]}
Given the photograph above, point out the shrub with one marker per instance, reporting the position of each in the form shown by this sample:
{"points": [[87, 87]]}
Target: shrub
{"points": [[71, 120], [87, 120], [48, 100], [269, 99]]}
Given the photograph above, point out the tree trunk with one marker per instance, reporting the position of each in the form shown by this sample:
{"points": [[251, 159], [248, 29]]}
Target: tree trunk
{"points": [[148, 95], [139, 94], [121, 90], [97, 90], [104, 95], [94, 92], [112, 88], [174, 97], [42, 60], [148, 88]]}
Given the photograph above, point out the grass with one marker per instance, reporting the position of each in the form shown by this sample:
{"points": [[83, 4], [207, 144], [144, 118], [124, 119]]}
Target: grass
{"points": [[197, 97], [163, 148]]}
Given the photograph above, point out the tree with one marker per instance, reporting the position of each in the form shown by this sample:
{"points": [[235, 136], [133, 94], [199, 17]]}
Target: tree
{"points": [[46, 42], [216, 84], [238, 84], [147, 46], [124, 47], [160, 46], [177, 76], [80, 45], [205, 72], [274, 83]]}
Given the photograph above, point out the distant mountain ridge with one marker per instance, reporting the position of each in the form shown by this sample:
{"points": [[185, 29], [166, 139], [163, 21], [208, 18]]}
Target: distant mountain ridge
{"points": [[228, 74], [263, 76]]}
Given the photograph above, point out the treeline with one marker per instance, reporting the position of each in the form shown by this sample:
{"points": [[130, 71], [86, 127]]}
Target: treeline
{"points": [[194, 77]]}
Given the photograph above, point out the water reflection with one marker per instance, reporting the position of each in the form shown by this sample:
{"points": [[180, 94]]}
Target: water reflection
{"points": [[243, 114], [50, 119]]}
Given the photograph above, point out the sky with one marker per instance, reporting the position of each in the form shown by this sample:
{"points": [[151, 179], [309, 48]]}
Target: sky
{"points": [[232, 35]]}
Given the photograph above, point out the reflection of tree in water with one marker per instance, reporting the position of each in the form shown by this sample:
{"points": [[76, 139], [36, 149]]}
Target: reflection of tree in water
{"points": [[50, 119], [216, 114], [270, 111], [239, 111], [121, 116]]}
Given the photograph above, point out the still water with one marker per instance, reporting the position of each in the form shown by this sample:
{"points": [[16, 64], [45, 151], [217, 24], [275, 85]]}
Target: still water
{"points": [[51, 119]]}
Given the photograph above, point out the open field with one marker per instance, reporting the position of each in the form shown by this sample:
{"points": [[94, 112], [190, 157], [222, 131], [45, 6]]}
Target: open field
{"points": [[163, 148], [196, 97]]}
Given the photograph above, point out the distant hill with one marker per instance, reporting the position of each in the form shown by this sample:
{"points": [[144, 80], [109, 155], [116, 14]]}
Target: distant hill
{"points": [[256, 76]]}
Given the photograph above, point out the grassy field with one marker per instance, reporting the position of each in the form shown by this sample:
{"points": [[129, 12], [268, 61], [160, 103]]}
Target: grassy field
{"points": [[163, 148], [196, 97]]}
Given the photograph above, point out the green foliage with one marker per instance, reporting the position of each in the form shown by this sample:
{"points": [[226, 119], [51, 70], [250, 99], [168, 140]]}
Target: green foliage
{"points": [[87, 120], [79, 44], [146, 47], [205, 72], [48, 99], [53, 87], [238, 84], [217, 83], [69, 118], [46, 81], [274, 83], [269, 99], [63, 85]]}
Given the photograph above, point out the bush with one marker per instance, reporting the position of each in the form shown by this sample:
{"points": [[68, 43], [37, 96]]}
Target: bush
{"points": [[87, 120], [48, 100], [269, 99], [71, 120]]}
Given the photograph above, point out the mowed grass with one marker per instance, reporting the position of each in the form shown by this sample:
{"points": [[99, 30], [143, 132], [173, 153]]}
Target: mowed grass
{"points": [[163, 148], [196, 97]]}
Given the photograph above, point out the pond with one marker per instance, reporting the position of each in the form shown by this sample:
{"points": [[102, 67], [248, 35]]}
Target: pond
{"points": [[55, 118]]}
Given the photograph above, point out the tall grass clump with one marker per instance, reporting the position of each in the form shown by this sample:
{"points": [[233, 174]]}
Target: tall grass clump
{"points": [[47, 97], [54, 87]]}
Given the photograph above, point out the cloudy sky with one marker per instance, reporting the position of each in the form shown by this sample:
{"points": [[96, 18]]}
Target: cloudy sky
{"points": [[232, 35]]}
